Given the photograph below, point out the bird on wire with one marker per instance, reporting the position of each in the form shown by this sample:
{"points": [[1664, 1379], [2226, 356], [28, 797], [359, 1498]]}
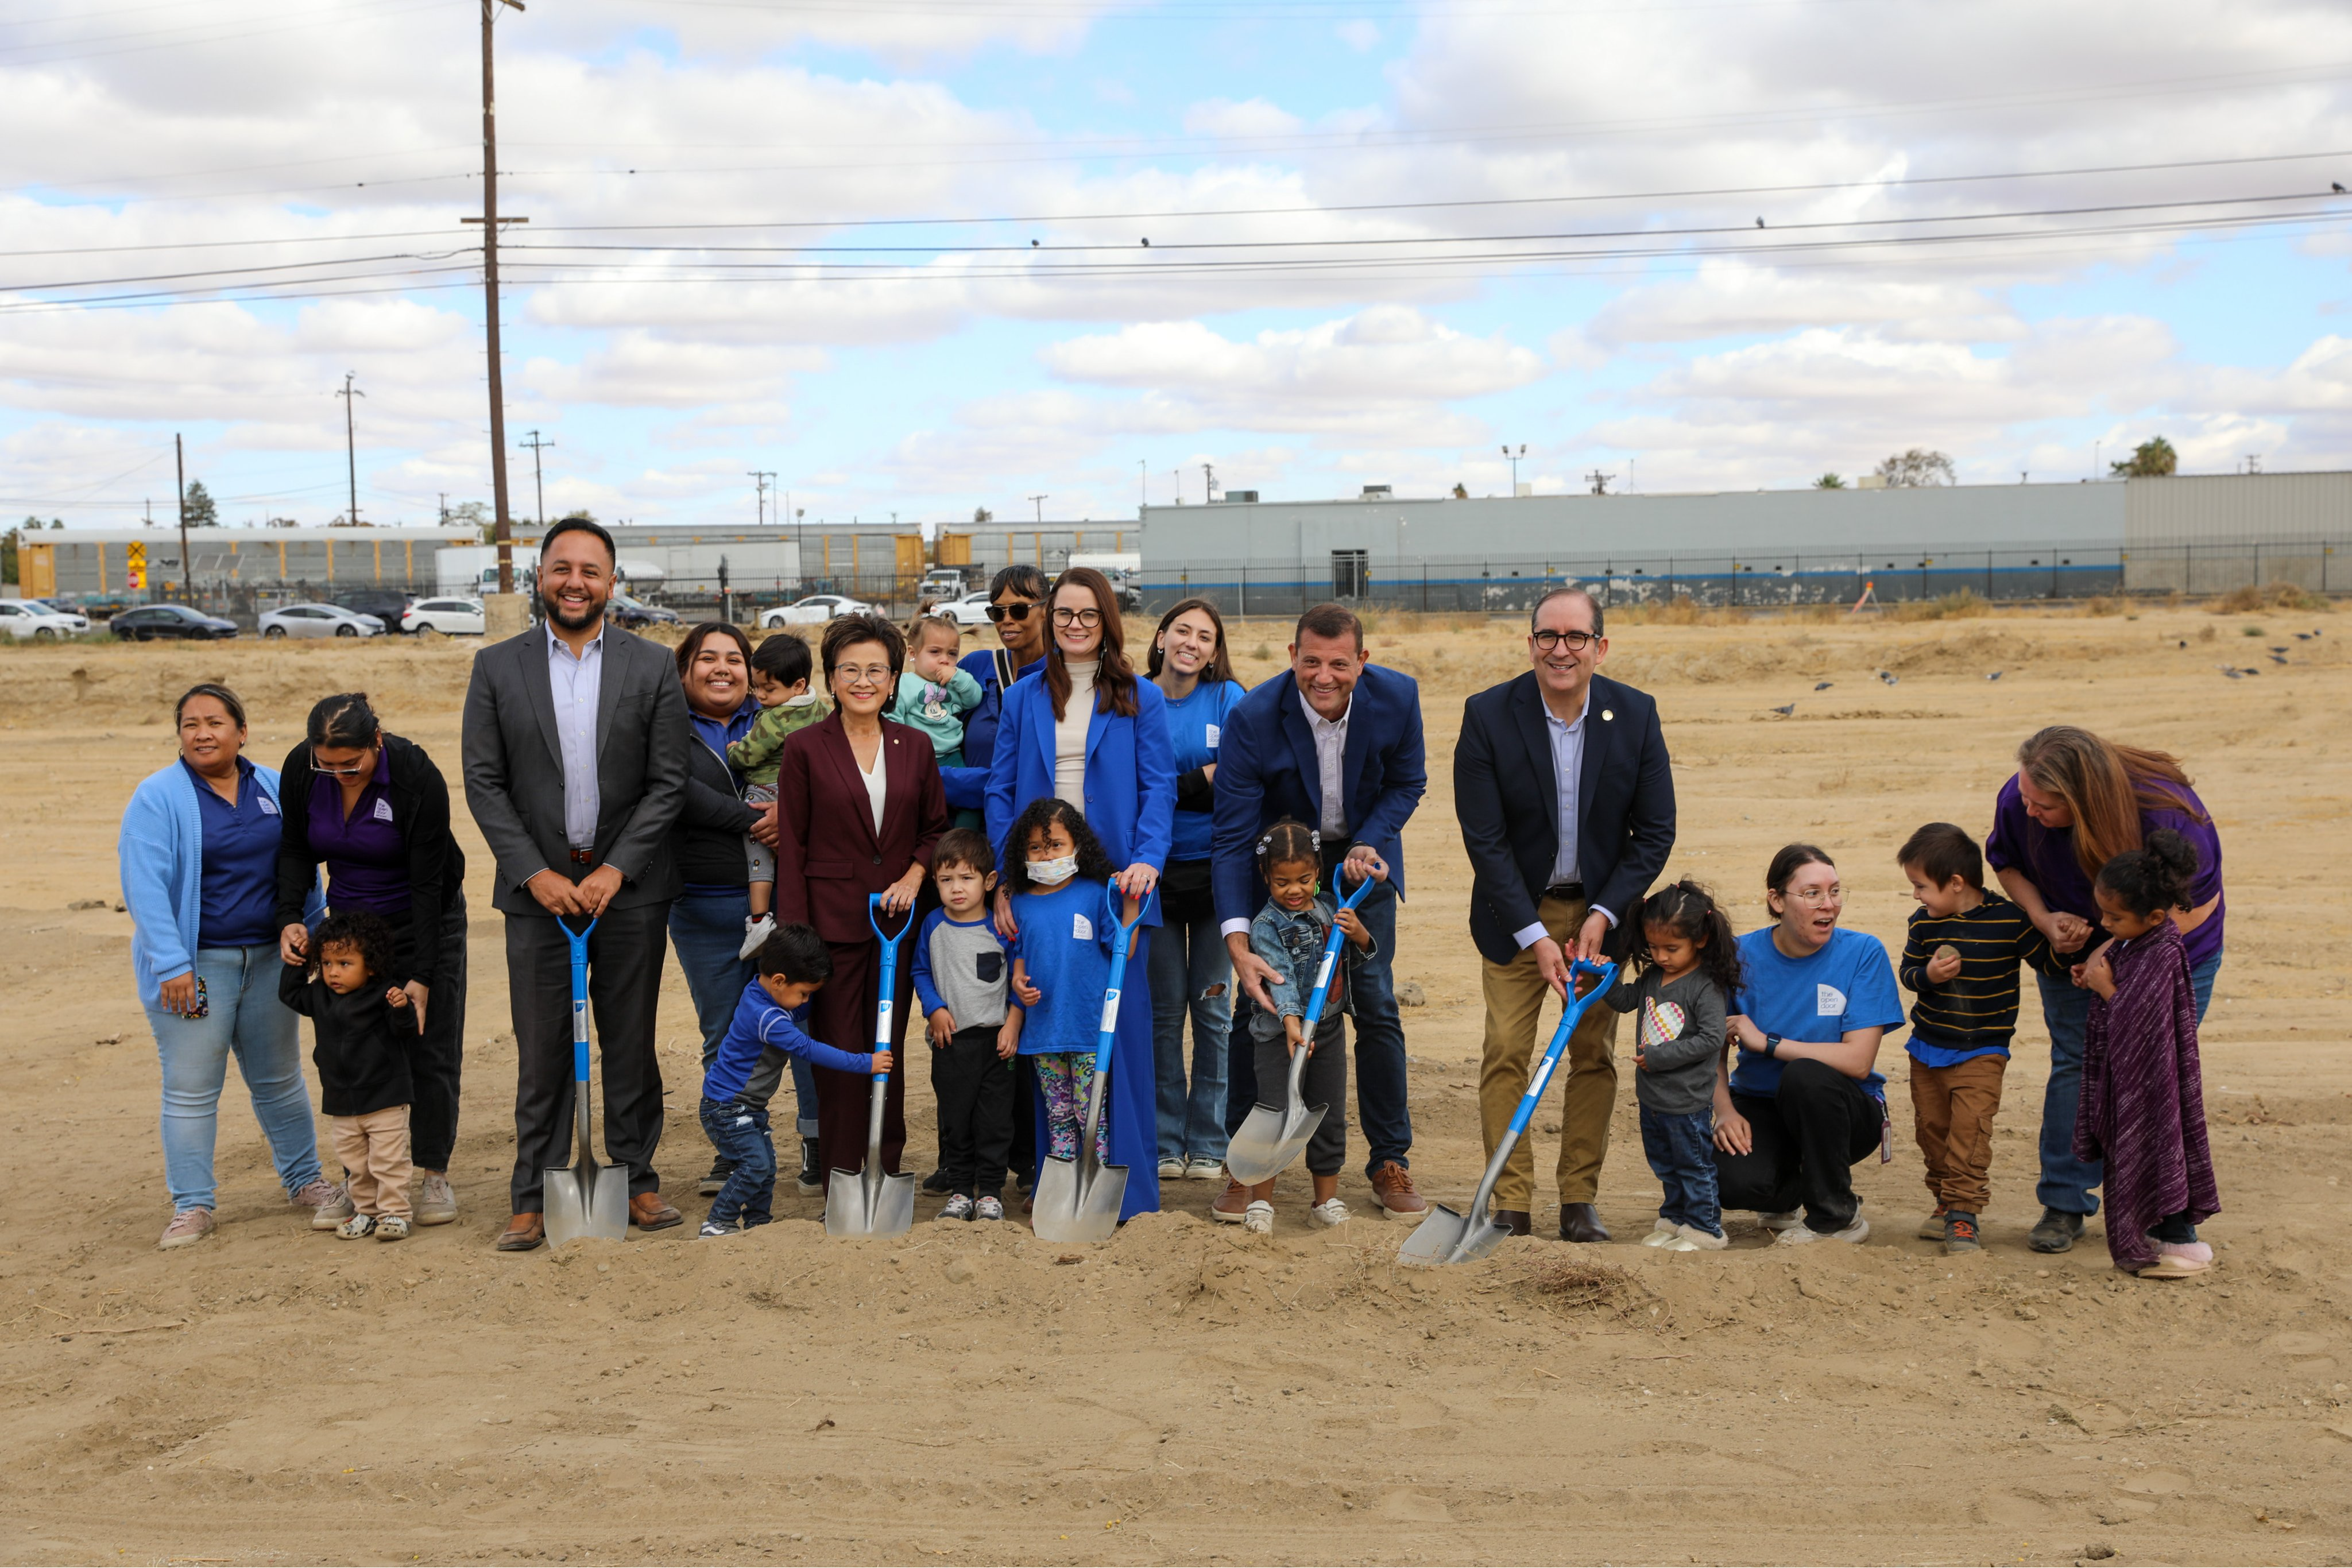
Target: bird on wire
{"points": [[2337, 187]]}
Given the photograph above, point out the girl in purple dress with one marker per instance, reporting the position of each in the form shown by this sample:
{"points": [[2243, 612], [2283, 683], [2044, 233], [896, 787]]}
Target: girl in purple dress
{"points": [[2143, 1103]]}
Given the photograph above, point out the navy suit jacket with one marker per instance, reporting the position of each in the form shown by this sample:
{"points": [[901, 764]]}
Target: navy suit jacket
{"points": [[1507, 800], [1266, 770]]}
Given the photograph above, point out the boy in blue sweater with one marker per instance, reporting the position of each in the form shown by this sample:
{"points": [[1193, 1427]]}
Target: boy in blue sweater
{"points": [[793, 964]]}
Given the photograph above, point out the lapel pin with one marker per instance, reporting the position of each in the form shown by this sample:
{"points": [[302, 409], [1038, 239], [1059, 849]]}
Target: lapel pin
{"points": [[1608, 715]]}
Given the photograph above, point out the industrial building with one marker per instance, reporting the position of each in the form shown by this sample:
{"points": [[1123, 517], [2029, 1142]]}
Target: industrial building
{"points": [[142, 563]]}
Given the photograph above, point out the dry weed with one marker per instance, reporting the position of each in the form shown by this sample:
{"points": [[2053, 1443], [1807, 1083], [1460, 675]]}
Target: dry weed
{"points": [[2269, 596], [1581, 1282], [1965, 605]]}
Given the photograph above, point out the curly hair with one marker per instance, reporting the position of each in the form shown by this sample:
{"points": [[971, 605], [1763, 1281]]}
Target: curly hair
{"points": [[1094, 862], [1689, 910], [355, 928], [1288, 840], [2151, 880]]}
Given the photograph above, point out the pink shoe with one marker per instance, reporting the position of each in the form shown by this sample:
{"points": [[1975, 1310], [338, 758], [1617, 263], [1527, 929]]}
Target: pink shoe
{"points": [[2197, 1254]]}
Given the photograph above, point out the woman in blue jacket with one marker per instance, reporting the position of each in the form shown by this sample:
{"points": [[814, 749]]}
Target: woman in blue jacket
{"points": [[199, 862], [1088, 730]]}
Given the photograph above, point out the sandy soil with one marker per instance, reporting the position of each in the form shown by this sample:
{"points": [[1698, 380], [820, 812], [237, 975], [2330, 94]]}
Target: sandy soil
{"points": [[1181, 1394]]}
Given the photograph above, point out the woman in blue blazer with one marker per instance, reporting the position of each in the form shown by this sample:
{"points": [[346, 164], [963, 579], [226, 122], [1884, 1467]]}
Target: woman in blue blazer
{"points": [[1088, 730]]}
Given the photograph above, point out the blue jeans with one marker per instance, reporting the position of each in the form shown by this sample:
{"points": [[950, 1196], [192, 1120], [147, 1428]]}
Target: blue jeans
{"points": [[738, 1131], [1681, 1150], [707, 930], [1191, 973], [2067, 1182], [246, 1019]]}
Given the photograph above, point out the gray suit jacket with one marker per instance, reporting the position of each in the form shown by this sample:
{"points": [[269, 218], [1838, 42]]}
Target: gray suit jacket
{"points": [[514, 767]]}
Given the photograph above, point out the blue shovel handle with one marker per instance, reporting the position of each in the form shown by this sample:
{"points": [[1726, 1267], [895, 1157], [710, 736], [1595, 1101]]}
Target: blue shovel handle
{"points": [[579, 940], [1126, 933], [1330, 962], [1569, 1017], [889, 972]]}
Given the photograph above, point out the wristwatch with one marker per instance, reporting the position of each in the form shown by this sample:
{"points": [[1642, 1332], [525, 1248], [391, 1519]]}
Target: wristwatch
{"points": [[1773, 1046]]}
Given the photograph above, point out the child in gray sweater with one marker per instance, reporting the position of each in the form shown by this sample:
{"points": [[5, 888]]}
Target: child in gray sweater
{"points": [[1687, 964]]}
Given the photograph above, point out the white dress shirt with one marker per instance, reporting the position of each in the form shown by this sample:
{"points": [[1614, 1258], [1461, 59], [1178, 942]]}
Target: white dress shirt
{"points": [[1330, 764], [577, 683], [1567, 737]]}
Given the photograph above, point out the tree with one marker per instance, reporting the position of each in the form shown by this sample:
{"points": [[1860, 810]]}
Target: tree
{"points": [[281, 523], [2151, 459], [201, 512], [1829, 481], [982, 515], [1915, 468], [1461, 492]]}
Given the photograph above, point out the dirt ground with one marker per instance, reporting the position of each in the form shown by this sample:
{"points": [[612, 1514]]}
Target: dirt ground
{"points": [[1180, 1393]]}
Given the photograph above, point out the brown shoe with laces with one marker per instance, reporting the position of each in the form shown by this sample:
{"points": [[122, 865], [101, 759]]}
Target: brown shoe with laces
{"points": [[651, 1211], [1231, 1204], [1392, 1190]]}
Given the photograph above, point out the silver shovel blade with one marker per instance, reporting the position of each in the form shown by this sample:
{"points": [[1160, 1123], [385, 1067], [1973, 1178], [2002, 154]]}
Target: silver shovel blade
{"points": [[1074, 1204], [1446, 1236], [586, 1201], [1268, 1140], [852, 1207]]}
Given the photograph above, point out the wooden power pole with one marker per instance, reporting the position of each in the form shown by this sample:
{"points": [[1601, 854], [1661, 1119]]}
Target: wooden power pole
{"points": [[489, 220]]}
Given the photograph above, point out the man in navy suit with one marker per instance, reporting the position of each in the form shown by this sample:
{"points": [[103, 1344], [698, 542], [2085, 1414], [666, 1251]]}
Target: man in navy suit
{"points": [[1567, 804], [1335, 743]]}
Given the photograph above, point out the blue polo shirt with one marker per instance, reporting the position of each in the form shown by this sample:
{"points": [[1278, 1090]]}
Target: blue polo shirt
{"points": [[1848, 984], [238, 842]]}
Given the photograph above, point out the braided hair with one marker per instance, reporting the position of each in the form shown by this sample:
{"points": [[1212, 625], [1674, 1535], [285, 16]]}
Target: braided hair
{"points": [[2153, 879], [1288, 840]]}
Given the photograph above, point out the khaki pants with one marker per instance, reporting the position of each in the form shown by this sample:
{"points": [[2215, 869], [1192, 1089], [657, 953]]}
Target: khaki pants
{"points": [[1516, 995], [375, 1152], [1952, 1109]]}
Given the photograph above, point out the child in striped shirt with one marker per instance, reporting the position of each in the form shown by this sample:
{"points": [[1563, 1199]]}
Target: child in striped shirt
{"points": [[1961, 958]]}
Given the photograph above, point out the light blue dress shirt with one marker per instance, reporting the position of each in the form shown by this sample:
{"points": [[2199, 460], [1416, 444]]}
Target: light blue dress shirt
{"points": [[577, 683], [1567, 776]]}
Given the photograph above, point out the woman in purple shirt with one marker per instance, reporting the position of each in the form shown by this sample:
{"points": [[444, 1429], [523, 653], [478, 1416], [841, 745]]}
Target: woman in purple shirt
{"points": [[2077, 802], [375, 808]]}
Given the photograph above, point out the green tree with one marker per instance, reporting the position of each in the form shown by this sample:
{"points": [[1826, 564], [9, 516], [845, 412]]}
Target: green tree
{"points": [[2151, 459], [982, 515], [1916, 469], [1829, 481], [200, 511]]}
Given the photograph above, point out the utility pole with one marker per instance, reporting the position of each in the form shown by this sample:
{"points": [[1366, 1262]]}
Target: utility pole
{"points": [[1039, 501], [1515, 457], [760, 478], [180, 463], [538, 484], [504, 530], [350, 447], [1208, 483]]}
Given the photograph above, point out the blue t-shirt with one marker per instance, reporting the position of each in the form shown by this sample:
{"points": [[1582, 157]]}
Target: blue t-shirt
{"points": [[760, 1025], [1196, 725], [239, 886], [1848, 984], [1064, 944]]}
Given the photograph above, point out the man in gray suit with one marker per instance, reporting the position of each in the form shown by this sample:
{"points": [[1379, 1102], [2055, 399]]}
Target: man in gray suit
{"points": [[575, 748]]}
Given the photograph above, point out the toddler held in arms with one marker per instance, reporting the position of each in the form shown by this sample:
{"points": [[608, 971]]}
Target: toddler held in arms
{"points": [[1686, 968], [361, 1030], [2143, 1104], [780, 684], [933, 693]]}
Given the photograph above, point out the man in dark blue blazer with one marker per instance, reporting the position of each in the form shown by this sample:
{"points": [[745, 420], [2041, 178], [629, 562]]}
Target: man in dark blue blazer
{"points": [[1566, 798], [1334, 743]]}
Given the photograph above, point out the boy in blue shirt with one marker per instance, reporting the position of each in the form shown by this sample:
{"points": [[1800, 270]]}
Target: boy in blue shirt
{"points": [[793, 964]]}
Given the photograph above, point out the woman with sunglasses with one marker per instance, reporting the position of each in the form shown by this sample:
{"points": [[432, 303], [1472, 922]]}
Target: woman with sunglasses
{"points": [[1804, 1102], [375, 810], [1090, 732], [1016, 608]]}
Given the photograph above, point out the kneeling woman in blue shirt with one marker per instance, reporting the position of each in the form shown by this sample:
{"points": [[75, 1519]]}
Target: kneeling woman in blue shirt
{"points": [[1805, 1103]]}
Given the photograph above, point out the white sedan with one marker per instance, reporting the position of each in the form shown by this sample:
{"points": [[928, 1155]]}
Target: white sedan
{"points": [[815, 610], [970, 610], [450, 617], [23, 618], [319, 621]]}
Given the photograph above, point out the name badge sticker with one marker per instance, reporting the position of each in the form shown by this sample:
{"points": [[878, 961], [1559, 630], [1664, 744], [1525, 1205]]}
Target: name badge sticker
{"points": [[268, 807], [383, 809], [1081, 929], [1214, 733], [1829, 1002]]}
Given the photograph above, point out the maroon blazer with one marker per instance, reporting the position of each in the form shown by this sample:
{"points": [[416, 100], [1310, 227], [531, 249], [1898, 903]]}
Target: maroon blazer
{"points": [[828, 856]]}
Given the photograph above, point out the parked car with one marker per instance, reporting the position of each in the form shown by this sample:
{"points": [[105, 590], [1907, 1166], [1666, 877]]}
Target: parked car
{"points": [[450, 617], [319, 621], [972, 610], [75, 618], [816, 609], [635, 613], [149, 622], [387, 604], [23, 618]]}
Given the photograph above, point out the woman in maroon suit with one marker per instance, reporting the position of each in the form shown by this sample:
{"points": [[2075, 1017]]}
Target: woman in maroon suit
{"points": [[860, 805]]}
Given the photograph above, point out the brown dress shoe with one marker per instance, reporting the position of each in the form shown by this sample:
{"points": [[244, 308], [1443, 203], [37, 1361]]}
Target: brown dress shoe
{"points": [[1518, 1221], [651, 1211], [523, 1233], [1392, 1190], [1230, 1202], [1581, 1222]]}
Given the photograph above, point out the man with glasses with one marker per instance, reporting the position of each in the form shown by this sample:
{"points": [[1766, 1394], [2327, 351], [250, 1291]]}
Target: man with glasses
{"points": [[1566, 800]]}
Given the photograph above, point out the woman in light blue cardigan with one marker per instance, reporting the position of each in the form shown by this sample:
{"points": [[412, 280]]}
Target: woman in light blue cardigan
{"points": [[199, 863]]}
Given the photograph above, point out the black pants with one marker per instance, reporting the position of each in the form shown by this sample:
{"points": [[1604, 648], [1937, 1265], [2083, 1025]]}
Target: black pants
{"points": [[1807, 1137], [1025, 1121], [975, 1092], [624, 971], [437, 1062], [1325, 1083]]}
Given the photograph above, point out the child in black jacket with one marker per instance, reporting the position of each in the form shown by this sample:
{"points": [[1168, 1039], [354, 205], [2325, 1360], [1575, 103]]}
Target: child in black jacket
{"points": [[362, 1030]]}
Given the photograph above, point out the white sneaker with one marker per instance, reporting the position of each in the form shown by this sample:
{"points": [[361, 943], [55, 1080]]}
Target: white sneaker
{"points": [[1204, 1170], [1662, 1234], [1697, 1241], [1257, 1219], [435, 1203], [1327, 1213], [1171, 1170], [1790, 1220], [1804, 1235], [1677, 1243], [757, 929]]}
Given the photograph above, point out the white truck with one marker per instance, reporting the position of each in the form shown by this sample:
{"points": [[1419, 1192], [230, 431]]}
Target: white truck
{"points": [[1123, 568]]}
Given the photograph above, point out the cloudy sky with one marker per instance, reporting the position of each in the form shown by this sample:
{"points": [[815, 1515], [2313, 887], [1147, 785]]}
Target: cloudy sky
{"points": [[894, 251]]}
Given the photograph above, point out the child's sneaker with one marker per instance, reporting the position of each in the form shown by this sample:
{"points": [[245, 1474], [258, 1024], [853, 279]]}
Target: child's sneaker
{"points": [[1932, 1227], [959, 1208], [1961, 1232], [1198, 1169], [1662, 1234], [392, 1228], [1257, 1219], [1171, 1170], [1327, 1213], [811, 1179], [757, 929], [711, 1227], [357, 1228], [988, 1208], [1694, 1240]]}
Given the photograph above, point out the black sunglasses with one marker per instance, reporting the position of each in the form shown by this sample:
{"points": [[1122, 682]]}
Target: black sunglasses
{"points": [[1018, 611]]}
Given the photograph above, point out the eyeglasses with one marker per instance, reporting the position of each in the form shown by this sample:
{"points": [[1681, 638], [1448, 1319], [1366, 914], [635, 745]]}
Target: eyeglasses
{"points": [[1578, 641], [1064, 616], [1018, 611], [875, 674], [353, 771], [1814, 894]]}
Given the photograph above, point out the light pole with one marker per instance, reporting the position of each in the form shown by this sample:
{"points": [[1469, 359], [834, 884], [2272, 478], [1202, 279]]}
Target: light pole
{"points": [[760, 478], [1039, 502], [1515, 457], [538, 481]]}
